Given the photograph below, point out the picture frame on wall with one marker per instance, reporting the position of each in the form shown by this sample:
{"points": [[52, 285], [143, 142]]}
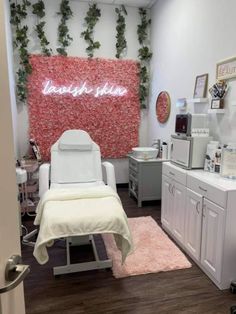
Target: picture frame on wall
{"points": [[226, 69], [217, 103], [200, 88]]}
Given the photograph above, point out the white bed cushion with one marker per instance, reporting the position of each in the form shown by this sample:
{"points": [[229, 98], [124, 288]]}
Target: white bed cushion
{"points": [[77, 212], [75, 140], [82, 185]]}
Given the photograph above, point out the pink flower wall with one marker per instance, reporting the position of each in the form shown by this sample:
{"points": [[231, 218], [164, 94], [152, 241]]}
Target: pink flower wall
{"points": [[99, 96]]}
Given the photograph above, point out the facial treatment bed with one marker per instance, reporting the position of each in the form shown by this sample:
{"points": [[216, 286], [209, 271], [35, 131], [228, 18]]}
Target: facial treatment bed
{"points": [[78, 204]]}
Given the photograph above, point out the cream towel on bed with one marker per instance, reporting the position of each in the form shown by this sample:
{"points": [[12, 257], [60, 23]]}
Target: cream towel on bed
{"points": [[78, 211]]}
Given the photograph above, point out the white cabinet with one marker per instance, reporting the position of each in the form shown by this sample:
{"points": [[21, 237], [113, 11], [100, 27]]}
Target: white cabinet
{"points": [[193, 223], [212, 238], [178, 204], [145, 179], [166, 203], [173, 204], [198, 211]]}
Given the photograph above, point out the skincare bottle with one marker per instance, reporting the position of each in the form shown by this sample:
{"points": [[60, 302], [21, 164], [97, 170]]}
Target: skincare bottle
{"points": [[164, 150], [218, 159]]}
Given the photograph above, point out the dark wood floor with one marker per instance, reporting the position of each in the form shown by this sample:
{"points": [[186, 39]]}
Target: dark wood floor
{"points": [[98, 292]]}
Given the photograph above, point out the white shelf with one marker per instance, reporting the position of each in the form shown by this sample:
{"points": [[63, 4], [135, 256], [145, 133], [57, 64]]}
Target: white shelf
{"points": [[216, 111], [198, 100]]}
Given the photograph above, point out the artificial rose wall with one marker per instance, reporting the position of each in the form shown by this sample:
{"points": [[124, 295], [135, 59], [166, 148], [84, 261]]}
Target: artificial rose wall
{"points": [[99, 96]]}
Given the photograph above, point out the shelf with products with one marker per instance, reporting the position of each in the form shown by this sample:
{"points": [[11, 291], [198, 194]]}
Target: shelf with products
{"points": [[220, 111]]}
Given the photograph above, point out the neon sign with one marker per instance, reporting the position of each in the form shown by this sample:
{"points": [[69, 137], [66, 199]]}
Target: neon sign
{"points": [[78, 90]]}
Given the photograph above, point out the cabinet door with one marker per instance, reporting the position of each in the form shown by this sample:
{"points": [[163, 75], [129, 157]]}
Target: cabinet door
{"points": [[166, 202], [151, 180], [193, 222], [179, 194], [212, 238]]}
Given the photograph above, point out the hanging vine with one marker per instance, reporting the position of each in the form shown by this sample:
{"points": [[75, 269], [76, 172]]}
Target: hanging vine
{"points": [[18, 14], [64, 38], [91, 20], [39, 11], [121, 43], [144, 55]]}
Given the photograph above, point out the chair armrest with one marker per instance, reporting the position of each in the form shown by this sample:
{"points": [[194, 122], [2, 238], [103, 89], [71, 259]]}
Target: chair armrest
{"points": [[44, 176], [110, 174]]}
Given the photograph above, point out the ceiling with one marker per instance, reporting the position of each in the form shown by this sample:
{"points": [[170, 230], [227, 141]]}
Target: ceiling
{"points": [[130, 3]]}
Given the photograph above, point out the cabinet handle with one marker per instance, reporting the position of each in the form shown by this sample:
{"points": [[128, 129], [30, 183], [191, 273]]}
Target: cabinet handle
{"points": [[171, 173], [203, 211], [173, 190], [197, 207], [204, 190]]}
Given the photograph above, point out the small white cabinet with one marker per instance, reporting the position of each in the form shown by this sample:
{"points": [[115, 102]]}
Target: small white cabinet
{"points": [[212, 238], [198, 211], [178, 210], [145, 179], [193, 223], [173, 202], [166, 213]]}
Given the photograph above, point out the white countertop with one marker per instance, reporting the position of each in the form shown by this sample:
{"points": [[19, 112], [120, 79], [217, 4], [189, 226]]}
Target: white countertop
{"points": [[208, 177], [214, 179], [148, 160]]}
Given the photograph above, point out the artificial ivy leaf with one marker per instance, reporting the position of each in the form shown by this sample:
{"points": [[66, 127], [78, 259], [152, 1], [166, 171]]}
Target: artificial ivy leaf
{"points": [[96, 45], [124, 9], [91, 19], [61, 51], [39, 9]]}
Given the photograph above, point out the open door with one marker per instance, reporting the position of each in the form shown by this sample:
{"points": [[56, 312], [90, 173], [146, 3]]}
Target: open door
{"points": [[11, 290]]}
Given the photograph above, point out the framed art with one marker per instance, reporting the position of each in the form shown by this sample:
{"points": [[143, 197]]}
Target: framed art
{"points": [[200, 89], [226, 69], [217, 103], [163, 106]]}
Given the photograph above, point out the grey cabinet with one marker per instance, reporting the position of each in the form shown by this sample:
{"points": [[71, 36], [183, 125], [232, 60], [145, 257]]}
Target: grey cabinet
{"points": [[145, 179]]}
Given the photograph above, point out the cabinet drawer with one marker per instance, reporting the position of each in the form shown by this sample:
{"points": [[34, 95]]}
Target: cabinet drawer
{"points": [[133, 164], [133, 173], [211, 192], [177, 173]]}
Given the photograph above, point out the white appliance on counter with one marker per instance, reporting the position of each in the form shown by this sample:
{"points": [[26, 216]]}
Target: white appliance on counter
{"points": [[189, 152], [192, 124]]}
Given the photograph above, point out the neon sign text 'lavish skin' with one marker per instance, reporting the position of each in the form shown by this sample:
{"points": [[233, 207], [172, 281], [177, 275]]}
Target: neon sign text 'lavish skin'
{"points": [[76, 90]]}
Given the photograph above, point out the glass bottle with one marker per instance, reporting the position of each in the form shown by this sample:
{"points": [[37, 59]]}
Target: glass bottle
{"points": [[228, 164]]}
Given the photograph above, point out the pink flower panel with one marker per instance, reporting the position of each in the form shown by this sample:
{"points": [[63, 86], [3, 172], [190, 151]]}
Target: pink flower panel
{"points": [[99, 96]]}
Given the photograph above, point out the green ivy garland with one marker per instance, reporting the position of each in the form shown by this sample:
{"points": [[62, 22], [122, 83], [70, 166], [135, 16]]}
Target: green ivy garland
{"points": [[19, 13], [144, 55], [91, 20], [39, 11], [64, 38], [121, 42]]}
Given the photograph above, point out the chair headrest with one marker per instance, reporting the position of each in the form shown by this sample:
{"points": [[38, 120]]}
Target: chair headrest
{"points": [[75, 140]]}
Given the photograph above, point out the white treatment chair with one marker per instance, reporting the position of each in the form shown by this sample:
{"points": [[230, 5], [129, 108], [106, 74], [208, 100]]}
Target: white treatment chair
{"points": [[76, 162]]}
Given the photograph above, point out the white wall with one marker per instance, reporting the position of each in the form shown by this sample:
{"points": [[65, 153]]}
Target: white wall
{"points": [[188, 37], [105, 32]]}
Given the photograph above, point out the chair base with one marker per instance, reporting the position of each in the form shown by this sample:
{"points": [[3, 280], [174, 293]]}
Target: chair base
{"points": [[84, 266], [25, 239], [74, 268]]}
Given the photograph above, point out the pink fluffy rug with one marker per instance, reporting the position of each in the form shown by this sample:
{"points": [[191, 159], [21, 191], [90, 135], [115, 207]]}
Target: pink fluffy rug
{"points": [[153, 250]]}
